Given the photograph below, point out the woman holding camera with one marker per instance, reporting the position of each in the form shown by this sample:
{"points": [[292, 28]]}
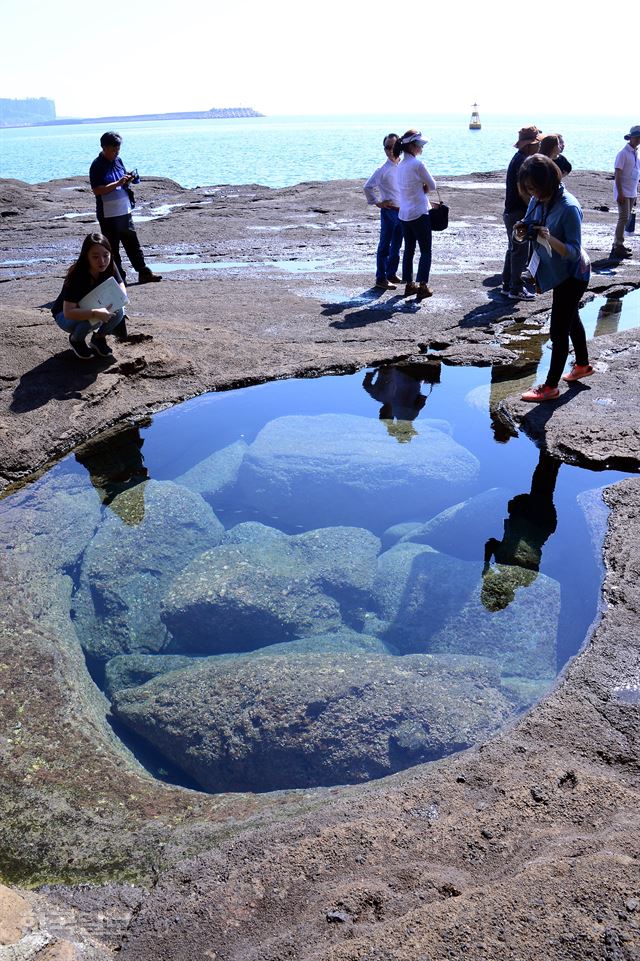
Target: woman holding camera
{"points": [[553, 222], [414, 182]]}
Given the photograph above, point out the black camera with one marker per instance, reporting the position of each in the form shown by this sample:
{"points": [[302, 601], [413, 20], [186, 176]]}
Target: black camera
{"points": [[532, 232]]}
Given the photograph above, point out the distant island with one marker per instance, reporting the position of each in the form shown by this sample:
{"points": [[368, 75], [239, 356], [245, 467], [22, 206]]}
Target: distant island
{"points": [[21, 113], [41, 112]]}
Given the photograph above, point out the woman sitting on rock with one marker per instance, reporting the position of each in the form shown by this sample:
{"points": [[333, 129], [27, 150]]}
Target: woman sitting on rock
{"points": [[93, 266], [414, 182]]}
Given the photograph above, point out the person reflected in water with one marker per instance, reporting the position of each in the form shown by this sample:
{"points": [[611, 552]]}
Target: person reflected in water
{"points": [[531, 521], [115, 465], [609, 317], [399, 391]]}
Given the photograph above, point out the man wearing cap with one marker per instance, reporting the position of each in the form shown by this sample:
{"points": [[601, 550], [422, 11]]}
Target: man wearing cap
{"points": [[515, 208], [381, 190], [114, 201], [625, 188]]}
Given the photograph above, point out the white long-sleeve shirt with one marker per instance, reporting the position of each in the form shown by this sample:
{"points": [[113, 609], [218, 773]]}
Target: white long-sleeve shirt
{"points": [[412, 178], [382, 185]]}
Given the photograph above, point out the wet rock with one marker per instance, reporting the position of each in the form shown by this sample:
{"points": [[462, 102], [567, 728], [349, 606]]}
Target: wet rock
{"points": [[127, 567], [433, 602], [133, 670], [269, 723], [463, 529], [53, 520], [596, 515], [211, 475], [262, 586], [16, 917], [374, 481]]}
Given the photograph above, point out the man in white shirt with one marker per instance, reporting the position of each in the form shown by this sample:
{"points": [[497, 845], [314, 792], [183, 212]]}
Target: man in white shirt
{"points": [[381, 191], [625, 189]]}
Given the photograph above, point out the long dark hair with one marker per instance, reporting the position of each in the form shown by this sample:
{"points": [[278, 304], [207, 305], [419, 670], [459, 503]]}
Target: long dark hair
{"points": [[82, 263]]}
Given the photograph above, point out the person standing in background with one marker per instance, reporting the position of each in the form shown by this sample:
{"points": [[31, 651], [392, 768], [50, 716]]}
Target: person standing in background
{"points": [[552, 146], [625, 189], [414, 184], [110, 183], [515, 207], [381, 190]]}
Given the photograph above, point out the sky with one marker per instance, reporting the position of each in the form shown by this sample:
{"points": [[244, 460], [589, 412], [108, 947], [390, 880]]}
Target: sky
{"points": [[288, 57]]}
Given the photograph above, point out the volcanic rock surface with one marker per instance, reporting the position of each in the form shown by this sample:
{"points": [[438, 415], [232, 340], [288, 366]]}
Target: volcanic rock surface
{"points": [[525, 847]]}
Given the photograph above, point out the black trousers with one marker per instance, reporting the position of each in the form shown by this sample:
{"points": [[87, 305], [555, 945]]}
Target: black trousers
{"points": [[565, 324], [120, 230]]}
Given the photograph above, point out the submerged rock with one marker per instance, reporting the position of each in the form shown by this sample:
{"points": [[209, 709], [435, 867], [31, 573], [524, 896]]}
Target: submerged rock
{"points": [[463, 529], [433, 602], [344, 469], [133, 670], [271, 723], [53, 519], [216, 472], [126, 569], [262, 587]]}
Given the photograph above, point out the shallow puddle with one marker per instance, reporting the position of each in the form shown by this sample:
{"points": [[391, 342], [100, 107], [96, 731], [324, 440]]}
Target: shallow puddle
{"points": [[315, 582]]}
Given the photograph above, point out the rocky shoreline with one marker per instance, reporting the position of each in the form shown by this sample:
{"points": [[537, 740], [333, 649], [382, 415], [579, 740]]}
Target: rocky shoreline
{"points": [[527, 845]]}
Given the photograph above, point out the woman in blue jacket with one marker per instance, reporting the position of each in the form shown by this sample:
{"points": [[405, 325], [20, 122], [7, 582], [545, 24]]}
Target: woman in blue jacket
{"points": [[559, 262]]}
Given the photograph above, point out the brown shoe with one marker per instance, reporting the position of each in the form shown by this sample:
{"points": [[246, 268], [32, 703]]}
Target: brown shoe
{"points": [[148, 277], [384, 285], [411, 289], [394, 279], [424, 291]]}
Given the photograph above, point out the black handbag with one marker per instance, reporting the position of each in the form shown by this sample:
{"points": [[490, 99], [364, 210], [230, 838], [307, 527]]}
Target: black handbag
{"points": [[439, 215]]}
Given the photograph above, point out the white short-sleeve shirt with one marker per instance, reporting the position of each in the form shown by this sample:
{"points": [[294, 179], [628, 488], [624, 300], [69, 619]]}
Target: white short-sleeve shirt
{"points": [[628, 162]]}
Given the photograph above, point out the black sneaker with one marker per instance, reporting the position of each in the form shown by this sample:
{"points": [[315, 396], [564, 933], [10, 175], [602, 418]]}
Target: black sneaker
{"points": [[100, 346], [148, 277], [80, 349], [620, 252]]}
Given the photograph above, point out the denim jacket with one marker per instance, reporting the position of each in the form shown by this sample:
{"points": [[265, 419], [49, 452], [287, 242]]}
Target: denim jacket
{"points": [[563, 217]]}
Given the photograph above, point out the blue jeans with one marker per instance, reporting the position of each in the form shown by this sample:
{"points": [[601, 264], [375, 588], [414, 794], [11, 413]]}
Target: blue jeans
{"points": [[417, 231], [80, 328], [517, 256], [388, 256]]}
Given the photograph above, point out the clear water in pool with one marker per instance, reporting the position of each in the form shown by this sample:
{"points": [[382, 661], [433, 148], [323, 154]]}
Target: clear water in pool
{"points": [[317, 582]]}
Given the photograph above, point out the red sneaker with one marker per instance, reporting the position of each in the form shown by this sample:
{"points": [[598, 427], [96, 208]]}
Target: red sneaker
{"points": [[577, 372], [541, 392]]}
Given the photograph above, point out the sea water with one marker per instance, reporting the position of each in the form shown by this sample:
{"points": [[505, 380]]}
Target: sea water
{"points": [[281, 151]]}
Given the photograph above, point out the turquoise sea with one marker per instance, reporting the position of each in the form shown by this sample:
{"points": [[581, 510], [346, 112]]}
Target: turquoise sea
{"points": [[280, 151]]}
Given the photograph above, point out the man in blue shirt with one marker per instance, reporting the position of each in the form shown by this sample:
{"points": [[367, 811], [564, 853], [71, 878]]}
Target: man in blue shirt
{"points": [[114, 202]]}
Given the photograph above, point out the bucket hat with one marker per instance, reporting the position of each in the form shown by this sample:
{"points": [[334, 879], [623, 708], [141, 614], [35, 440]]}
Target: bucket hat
{"points": [[527, 136]]}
